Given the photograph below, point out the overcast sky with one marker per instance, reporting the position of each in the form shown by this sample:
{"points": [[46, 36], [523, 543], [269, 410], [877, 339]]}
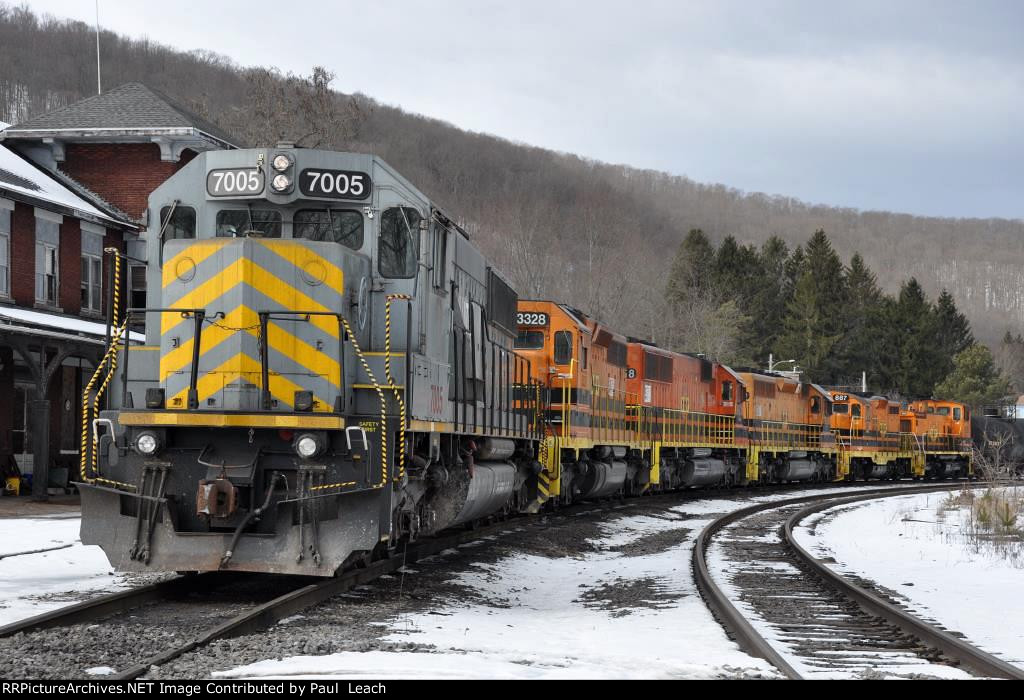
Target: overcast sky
{"points": [[903, 105]]}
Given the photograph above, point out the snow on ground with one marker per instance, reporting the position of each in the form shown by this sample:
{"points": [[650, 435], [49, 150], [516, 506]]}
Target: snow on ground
{"points": [[31, 584], [905, 545], [561, 617]]}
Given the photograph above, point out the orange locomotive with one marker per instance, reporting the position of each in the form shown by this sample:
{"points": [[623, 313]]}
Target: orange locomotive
{"points": [[785, 430], [623, 416]]}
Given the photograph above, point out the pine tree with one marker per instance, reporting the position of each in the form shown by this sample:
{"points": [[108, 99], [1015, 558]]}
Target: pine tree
{"points": [[953, 332], [913, 335], [975, 379], [692, 268], [814, 322], [767, 307], [864, 321]]}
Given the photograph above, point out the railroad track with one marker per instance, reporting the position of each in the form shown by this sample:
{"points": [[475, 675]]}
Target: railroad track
{"points": [[253, 615], [782, 604], [184, 613]]}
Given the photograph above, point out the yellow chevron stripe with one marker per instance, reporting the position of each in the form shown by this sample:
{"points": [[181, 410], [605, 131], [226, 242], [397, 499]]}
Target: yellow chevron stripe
{"points": [[198, 252], [245, 270], [279, 339], [300, 256], [241, 366], [201, 296]]}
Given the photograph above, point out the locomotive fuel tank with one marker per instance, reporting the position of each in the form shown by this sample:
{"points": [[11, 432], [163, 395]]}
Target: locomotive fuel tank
{"points": [[702, 470], [798, 467], [602, 479]]}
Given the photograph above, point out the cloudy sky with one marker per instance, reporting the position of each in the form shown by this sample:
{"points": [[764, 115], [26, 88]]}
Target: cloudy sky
{"points": [[914, 105]]}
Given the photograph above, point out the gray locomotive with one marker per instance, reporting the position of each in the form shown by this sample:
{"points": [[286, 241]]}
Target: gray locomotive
{"points": [[328, 369]]}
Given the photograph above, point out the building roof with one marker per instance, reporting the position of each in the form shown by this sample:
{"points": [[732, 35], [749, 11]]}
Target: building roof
{"points": [[131, 109], [20, 179], [55, 325]]}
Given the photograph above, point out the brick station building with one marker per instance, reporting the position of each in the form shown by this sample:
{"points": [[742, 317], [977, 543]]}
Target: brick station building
{"points": [[74, 182]]}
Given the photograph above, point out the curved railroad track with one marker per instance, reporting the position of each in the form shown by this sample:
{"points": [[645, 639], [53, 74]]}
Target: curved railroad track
{"points": [[784, 605]]}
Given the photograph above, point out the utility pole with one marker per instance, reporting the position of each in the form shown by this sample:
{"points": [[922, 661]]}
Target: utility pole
{"points": [[99, 83]]}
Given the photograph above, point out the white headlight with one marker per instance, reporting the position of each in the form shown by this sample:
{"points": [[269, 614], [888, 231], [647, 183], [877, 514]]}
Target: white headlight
{"points": [[281, 162], [307, 446], [281, 183], [146, 443]]}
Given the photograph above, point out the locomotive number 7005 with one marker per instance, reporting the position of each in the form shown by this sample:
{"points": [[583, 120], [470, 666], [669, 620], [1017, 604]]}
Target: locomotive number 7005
{"points": [[334, 184]]}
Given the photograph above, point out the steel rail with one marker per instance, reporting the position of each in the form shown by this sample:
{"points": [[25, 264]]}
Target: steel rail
{"points": [[113, 603], [952, 647], [735, 623], [266, 615]]}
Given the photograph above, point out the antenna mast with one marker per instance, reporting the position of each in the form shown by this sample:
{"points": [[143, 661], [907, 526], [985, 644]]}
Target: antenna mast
{"points": [[99, 84]]}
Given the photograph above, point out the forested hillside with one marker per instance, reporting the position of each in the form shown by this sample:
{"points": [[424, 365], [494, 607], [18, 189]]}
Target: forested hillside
{"points": [[599, 236]]}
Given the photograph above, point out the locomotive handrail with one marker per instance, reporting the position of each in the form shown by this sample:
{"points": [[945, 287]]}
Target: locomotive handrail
{"points": [[192, 400]]}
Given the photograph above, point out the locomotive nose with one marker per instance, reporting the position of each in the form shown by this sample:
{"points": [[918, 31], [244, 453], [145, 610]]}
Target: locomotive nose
{"points": [[268, 333]]}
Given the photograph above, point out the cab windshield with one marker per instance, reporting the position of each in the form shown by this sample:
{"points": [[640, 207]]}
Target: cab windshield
{"points": [[248, 222], [529, 340]]}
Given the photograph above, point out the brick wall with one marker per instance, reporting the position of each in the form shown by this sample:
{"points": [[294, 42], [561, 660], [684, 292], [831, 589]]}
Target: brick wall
{"points": [[23, 260], [23, 255], [122, 173]]}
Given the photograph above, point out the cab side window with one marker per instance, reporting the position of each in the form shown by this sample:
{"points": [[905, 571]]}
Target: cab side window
{"points": [[956, 414], [176, 222], [399, 251], [815, 404], [726, 391], [855, 410], [563, 348]]}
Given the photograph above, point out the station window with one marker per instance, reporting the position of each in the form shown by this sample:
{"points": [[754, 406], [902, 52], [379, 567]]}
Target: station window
{"points": [[529, 340], [47, 261], [5, 251], [333, 225], [563, 348], [247, 222], [92, 268], [399, 242]]}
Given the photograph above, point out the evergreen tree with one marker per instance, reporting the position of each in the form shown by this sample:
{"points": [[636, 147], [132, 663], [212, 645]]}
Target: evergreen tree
{"points": [[953, 332], [692, 268], [864, 321], [814, 320], [975, 379], [767, 307], [913, 332]]}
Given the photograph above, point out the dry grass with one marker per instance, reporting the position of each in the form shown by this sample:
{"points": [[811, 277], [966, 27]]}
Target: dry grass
{"points": [[991, 520]]}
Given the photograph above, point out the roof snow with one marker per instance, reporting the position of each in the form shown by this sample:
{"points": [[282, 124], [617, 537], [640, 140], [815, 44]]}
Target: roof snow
{"points": [[18, 176]]}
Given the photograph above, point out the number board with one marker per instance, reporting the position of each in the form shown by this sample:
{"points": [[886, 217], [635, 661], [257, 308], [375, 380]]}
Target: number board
{"points": [[235, 182], [335, 184], [840, 397], [531, 319]]}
